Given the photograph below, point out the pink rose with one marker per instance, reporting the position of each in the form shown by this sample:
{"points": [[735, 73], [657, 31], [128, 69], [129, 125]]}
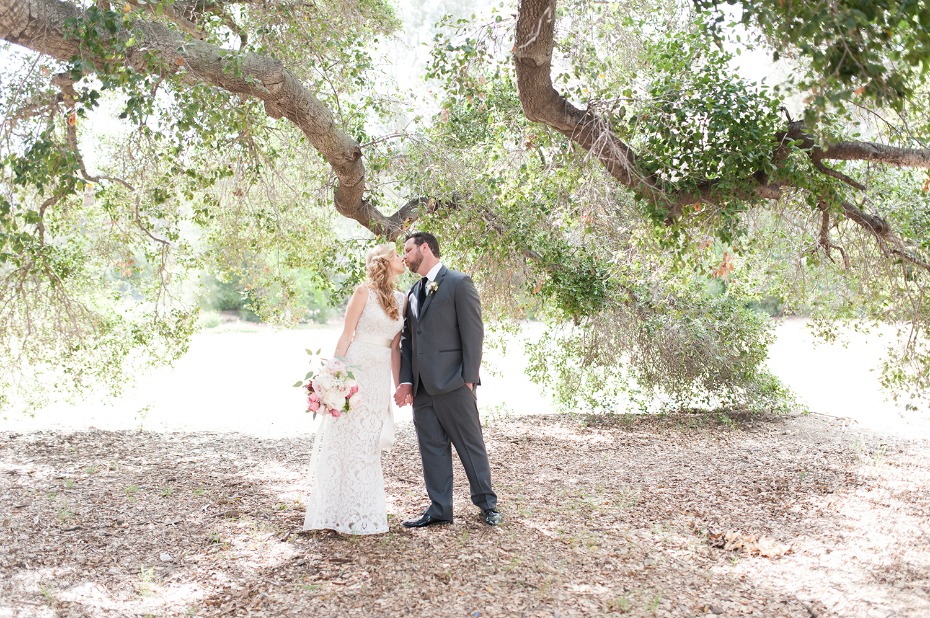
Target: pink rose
{"points": [[313, 406], [336, 413], [314, 397], [352, 391]]}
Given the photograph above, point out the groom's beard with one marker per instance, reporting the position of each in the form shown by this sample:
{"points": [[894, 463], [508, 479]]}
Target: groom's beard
{"points": [[414, 265]]}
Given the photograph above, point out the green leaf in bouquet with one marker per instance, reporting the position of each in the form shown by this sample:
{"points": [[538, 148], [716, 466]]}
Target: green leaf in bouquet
{"points": [[309, 375], [298, 383]]}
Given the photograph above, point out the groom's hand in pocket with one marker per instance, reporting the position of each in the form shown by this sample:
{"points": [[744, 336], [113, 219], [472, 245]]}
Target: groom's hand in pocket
{"points": [[403, 395]]}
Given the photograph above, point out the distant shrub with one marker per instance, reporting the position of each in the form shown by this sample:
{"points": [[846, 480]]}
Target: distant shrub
{"points": [[226, 296]]}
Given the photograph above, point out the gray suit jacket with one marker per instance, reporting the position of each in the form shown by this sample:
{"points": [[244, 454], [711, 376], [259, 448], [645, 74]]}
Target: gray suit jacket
{"points": [[440, 347]]}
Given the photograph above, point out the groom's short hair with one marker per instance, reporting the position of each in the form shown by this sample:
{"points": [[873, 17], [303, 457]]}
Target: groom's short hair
{"points": [[424, 237]]}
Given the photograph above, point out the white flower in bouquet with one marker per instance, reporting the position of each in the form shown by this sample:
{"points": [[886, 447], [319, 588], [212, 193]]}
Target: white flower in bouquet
{"points": [[336, 366], [330, 389], [324, 382], [334, 399]]}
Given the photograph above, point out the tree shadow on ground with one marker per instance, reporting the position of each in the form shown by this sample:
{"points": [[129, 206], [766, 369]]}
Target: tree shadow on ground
{"points": [[602, 515]]}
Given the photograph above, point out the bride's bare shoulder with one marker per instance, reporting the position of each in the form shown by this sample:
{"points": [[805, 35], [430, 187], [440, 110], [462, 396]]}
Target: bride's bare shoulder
{"points": [[359, 296]]}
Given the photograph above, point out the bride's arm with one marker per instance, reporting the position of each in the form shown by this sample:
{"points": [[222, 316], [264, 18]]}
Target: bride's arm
{"points": [[395, 348], [353, 313], [395, 359]]}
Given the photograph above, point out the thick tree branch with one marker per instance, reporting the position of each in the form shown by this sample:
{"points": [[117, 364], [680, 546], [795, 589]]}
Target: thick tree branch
{"points": [[413, 208], [878, 153], [541, 103], [855, 151], [876, 225], [40, 25], [532, 54]]}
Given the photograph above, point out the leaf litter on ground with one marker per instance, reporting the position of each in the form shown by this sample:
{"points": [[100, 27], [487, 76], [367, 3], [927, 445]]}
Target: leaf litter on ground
{"points": [[664, 516]]}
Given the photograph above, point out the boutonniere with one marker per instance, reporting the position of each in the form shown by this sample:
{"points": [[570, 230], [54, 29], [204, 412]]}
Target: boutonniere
{"points": [[432, 287]]}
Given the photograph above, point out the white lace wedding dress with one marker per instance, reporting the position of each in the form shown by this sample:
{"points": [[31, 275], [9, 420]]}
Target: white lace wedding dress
{"points": [[346, 481]]}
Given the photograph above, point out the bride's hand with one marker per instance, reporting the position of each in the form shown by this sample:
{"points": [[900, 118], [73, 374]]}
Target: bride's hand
{"points": [[403, 395]]}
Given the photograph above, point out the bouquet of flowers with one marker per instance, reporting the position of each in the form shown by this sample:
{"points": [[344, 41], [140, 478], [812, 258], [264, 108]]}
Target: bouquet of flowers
{"points": [[330, 390]]}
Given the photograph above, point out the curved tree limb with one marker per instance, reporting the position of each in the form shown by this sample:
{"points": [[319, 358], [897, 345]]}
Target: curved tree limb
{"points": [[532, 54], [818, 163], [853, 151], [39, 25], [876, 225]]}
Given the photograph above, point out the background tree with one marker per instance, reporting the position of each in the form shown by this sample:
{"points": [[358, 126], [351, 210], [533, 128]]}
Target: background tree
{"points": [[671, 198]]}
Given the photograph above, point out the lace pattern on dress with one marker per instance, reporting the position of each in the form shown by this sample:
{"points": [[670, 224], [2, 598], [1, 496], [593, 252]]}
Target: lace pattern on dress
{"points": [[346, 480]]}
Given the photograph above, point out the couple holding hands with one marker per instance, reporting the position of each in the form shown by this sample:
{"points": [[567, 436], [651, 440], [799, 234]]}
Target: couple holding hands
{"points": [[428, 342]]}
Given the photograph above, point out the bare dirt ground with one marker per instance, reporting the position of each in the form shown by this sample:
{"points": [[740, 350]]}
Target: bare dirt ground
{"points": [[669, 516], [192, 506]]}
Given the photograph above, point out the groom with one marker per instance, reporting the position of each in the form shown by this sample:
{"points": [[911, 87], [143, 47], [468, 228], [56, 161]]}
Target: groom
{"points": [[440, 350]]}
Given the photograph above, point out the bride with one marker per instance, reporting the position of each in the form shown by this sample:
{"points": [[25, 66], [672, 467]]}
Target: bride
{"points": [[347, 485]]}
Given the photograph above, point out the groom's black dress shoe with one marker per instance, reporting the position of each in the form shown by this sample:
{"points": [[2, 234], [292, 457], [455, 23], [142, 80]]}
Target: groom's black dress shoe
{"points": [[491, 517], [426, 520]]}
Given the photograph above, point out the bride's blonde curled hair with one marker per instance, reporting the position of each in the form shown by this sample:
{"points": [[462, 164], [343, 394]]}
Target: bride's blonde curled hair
{"points": [[380, 278]]}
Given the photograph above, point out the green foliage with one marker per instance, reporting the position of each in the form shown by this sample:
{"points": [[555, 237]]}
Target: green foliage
{"points": [[679, 347], [587, 75], [542, 228], [480, 101], [702, 126], [98, 259], [856, 51], [903, 196], [575, 281]]}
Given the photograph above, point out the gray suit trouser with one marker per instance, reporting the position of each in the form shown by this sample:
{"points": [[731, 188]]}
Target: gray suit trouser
{"points": [[439, 421]]}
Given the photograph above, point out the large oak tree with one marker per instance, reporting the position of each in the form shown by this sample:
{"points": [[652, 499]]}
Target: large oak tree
{"points": [[690, 146]]}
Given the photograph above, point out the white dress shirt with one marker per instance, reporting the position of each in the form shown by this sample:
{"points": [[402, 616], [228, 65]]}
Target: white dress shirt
{"points": [[430, 277]]}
